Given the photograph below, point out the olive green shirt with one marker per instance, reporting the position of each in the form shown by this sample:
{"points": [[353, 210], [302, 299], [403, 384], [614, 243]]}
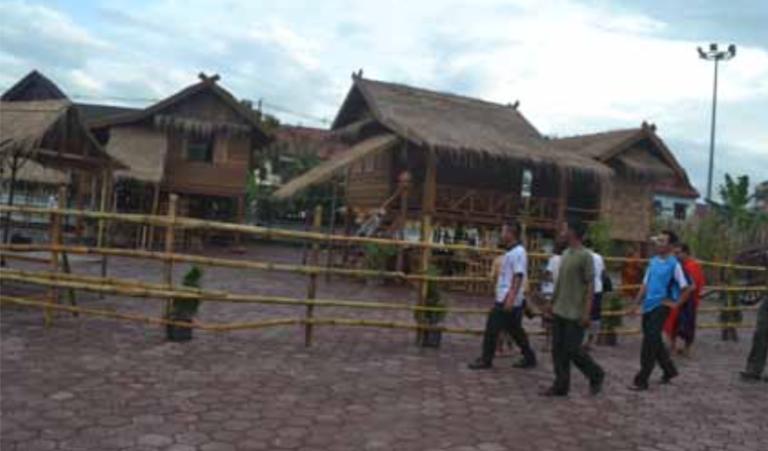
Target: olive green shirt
{"points": [[577, 271]]}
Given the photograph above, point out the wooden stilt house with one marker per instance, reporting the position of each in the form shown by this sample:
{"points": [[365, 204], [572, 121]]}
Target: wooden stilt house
{"points": [[465, 163], [196, 143]]}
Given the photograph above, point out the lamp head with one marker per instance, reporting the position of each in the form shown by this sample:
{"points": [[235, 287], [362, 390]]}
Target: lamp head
{"points": [[732, 50], [702, 54], [713, 47]]}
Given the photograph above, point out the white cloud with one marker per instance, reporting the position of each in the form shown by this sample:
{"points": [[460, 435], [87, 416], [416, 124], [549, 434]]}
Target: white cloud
{"points": [[575, 66]]}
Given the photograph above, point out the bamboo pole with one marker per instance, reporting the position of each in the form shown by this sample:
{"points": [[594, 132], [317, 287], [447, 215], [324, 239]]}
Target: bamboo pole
{"points": [[428, 208], [55, 239], [155, 207], [170, 236], [96, 312], [317, 223], [143, 289], [271, 233], [146, 290], [232, 263]]}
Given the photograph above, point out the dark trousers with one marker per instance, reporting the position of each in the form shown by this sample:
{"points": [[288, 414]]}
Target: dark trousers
{"points": [[759, 352], [653, 349], [512, 322], [567, 338]]}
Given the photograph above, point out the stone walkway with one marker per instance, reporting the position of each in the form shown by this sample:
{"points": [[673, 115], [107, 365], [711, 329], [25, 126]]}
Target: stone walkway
{"points": [[92, 384]]}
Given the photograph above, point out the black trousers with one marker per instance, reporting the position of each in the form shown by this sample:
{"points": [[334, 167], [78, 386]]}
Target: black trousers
{"points": [[567, 339], [512, 322], [759, 351], [653, 349]]}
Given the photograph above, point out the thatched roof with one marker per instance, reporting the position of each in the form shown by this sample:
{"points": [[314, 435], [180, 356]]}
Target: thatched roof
{"points": [[336, 164], [624, 149], [142, 149], [51, 133], [33, 87], [456, 126], [206, 83]]}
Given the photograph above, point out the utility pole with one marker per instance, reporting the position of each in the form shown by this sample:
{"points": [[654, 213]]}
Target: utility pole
{"points": [[716, 55]]}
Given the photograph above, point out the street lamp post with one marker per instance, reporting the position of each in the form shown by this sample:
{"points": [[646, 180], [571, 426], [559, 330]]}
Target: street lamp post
{"points": [[716, 55]]}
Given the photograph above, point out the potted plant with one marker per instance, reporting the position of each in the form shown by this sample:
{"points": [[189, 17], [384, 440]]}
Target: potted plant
{"points": [[612, 321], [184, 310], [431, 338], [377, 258]]}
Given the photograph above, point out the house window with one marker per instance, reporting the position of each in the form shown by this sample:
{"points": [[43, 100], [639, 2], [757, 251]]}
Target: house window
{"points": [[681, 211], [200, 149]]}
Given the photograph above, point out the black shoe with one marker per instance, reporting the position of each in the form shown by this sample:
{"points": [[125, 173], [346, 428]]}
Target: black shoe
{"points": [[480, 364], [667, 378], [750, 377], [597, 386], [638, 387], [524, 364], [552, 393]]}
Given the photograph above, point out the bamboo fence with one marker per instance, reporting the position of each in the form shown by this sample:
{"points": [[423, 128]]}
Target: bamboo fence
{"points": [[54, 280]]}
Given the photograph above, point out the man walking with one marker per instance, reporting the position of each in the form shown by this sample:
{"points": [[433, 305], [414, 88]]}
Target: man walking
{"points": [[664, 286], [507, 312], [759, 351], [571, 312]]}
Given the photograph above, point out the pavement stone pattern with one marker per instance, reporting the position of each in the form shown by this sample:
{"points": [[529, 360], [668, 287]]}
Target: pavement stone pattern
{"points": [[97, 384]]}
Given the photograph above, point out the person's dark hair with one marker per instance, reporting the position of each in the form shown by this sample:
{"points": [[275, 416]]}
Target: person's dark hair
{"points": [[514, 226], [559, 247], [673, 238], [579, 229], [685, 248]]}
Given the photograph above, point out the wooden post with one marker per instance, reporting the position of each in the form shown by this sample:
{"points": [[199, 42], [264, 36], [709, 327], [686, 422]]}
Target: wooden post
{"points": [[240, 218], [329, 250], [428, 209], [170, 236], [155, 206], [317, 222], [55, 238], [562, 200], [404, 182], [79, 204], [11, 194]]}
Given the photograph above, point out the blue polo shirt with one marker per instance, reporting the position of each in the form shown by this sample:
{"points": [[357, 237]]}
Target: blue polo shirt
{"points": [[664, 280]]}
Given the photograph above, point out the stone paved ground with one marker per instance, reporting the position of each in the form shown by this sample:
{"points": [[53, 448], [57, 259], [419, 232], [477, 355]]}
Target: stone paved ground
{"points": [[92, 384]]}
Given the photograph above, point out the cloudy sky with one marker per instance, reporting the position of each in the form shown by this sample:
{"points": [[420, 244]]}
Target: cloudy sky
{"points": [[577, 66]]}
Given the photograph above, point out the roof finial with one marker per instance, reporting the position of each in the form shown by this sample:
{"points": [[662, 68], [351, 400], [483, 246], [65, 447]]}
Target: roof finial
{"points": [[516, 104], [358, 74], [208, 79], [649, 126]]}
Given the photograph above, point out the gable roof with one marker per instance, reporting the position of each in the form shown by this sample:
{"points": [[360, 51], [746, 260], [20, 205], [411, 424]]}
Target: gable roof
{"points": [[205, 84], [34, 86], [26, 126], [454, 124], [619, 145]]}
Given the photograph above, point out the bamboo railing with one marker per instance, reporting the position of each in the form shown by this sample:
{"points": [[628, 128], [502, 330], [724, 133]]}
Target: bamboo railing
{"points": [[54, 280]]}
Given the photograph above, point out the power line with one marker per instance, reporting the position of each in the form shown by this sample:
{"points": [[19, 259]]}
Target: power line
{"points": [[264, 103]]}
